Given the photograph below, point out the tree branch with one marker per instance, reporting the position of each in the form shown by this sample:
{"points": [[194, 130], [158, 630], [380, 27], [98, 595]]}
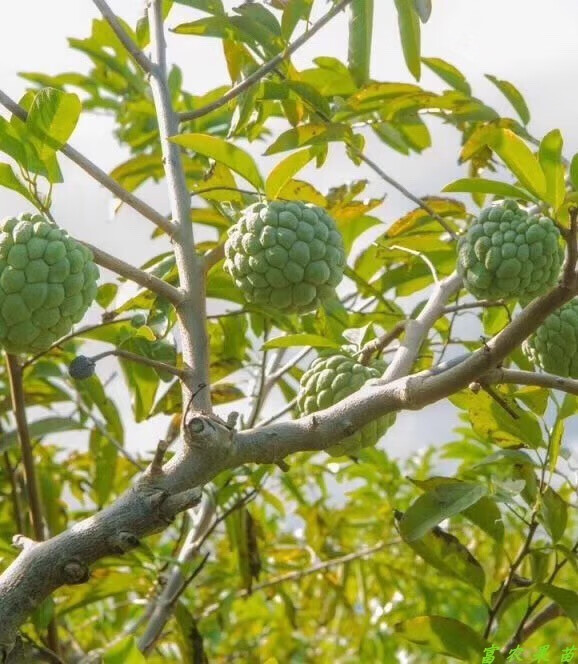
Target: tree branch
{"points": [[518, 377], [135, 274], [141, 359], [539, 620], [97, 174], [191, 312], [164, 603], [133, 50], [34, 502], [416, 330], [265, 69], [406, 192]]}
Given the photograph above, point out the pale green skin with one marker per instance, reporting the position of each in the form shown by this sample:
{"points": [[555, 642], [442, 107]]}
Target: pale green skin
{"points": [[554, 345], [329, 380], [286, 255], [508, 253], [47, 282]]}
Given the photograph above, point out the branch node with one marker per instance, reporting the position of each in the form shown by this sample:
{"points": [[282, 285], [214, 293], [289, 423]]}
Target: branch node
{"points": [[155, 469], [123, 542], [179, 503], [207, 431], [75, 572]]}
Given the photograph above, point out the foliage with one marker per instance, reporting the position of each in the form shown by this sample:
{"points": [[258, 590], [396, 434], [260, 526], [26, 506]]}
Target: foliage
{"points": [[346, 560]]}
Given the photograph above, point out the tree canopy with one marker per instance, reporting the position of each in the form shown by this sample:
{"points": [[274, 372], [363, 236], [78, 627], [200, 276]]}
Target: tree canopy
{"points": [[279, 335]]}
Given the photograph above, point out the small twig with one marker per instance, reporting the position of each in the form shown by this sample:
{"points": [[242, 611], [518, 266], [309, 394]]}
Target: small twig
{"points": [[419, 254], [499, 399], [135, 274], [418, 201], [505, 587], [214, 256], [133, 50], [525, 630], [98, 174], [265, 69], [539, 620], [478, 304], [73, 335], [518, 377], [282, 411], [297, 575], [140, 359], [377, 345]]}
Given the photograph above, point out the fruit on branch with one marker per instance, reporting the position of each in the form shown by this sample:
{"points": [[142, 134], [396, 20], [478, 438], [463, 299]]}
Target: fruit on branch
{"points": [[331, 378], [287, 255], [47, 282], [507, 252], [554, 345], [81, 367]]}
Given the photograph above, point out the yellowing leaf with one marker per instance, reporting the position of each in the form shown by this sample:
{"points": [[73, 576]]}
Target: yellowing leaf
{"points": [[285, 170], [550, 156]]}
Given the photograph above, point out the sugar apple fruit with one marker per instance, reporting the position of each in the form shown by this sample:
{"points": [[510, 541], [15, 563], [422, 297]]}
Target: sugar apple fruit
{"points": [[554, 345], [509, 253], [288, 255], [330, 379], [47, 282]]}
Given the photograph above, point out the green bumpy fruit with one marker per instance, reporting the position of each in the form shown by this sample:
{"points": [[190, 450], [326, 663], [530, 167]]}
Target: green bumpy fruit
{"points": [[509, 253], [47, 282], [289, 256], [330, 379], [554, 345]]}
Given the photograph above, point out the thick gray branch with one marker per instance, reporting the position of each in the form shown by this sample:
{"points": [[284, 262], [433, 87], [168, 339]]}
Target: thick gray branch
{"points": [[191, 311]]}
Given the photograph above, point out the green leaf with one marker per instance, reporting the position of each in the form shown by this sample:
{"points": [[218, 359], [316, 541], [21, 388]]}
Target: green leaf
{"points": [[225, 153], [124, 652], [550, 156], [41, 428], [52, 118], [360, 37], [295, 11], [484, 186], [553, 514], [438, 504], [574, 171], [285, 170], [448, 73], [292, 340], [445, 636], [103, 455], [518, 158], [409, 31], [9, 180], [513, 95], [555, 443], [447, 554], [310, 134], [566, 599]]}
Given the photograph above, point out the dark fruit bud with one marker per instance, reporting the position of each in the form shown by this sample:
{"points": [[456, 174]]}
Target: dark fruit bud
{"points": [[81, 367]]}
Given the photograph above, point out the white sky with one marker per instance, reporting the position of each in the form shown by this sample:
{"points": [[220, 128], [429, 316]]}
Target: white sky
{"points": [[528, 42]]}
